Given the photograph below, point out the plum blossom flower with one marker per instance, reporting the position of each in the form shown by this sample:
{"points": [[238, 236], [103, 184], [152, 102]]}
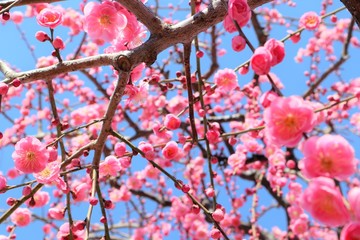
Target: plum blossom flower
{"points": [[57, 212], [238, 43], [323, 200], [49, 174], [64, 232], [30, 155], [310, 20], [218, 215], [351, 231], [239, 11], [261, 61], [41, 198], [226, 79], [329, 156], [170, 150], [277, 50], [2, 184], [80, 191], [49, 17], [120, 149], [122, 194], [354, 201], [286, 119], [172, 122], [3, 88], [21, 217], [109, 167], [104, 21], [147, 149]]}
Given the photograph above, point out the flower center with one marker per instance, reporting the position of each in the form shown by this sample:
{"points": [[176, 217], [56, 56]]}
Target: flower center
{"points": [[105, 20], [326, 163], [45, 173], [30, 156], [290, 121]]}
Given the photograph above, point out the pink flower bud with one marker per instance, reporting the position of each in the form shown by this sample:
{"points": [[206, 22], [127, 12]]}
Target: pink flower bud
{"points": [[238, 43], [58, 43], [170, 150], [26, 190], [41, 36], [16, 82], [277, 50], [261, 61], [120, 149], [93, 201], [185, 188], [210, 192], [11, 201], [199, 54], [103, 219], [172, 122], [215, 233], [218, 215]]}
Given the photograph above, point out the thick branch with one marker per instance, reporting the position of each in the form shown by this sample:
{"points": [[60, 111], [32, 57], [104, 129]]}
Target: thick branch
{"points": [[144, 15], [182, 32], [353, 6]]}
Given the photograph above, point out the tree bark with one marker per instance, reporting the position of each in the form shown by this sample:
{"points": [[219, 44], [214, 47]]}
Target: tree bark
{"points": [[353, 6]]}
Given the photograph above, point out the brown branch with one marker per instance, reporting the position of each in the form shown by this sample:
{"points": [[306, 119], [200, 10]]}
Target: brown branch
{"points": [[153, 23], [343, 58], [8, 4], [353, 6], [160, 200], [182, 32]]}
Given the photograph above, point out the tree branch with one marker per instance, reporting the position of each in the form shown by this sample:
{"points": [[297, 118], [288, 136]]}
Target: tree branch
{"points": [[353, 6]]}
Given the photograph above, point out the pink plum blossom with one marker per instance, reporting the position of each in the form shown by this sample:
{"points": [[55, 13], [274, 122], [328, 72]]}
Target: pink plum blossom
{"points": [[148, 150], [350, 231], [261, 61], [30, 155], [2, 184], [171, 150], [58, 43], [323, 200], [49, 17], [287, 118], [120, 149], [3, 88], [310, 20], [172, 122], [218, 215], [80, 191], [64, 232], [104, 20], [41, 198], [239, 11], [109, 167], [49, 174], [21, 217], [237, 161], [226, 79], [57, 213], [277, 50], [238, 43], [329, 156], [17, 17], [122, 194], [354, 202]]}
